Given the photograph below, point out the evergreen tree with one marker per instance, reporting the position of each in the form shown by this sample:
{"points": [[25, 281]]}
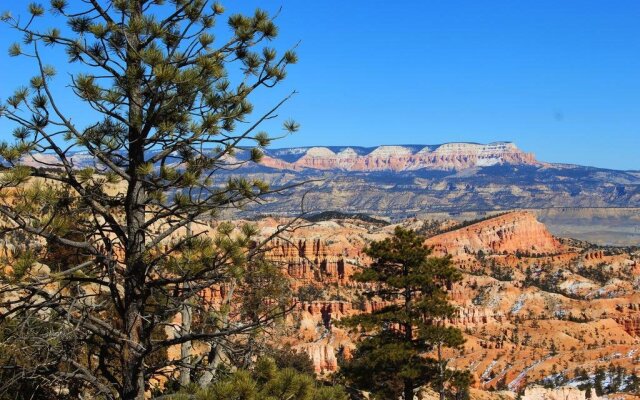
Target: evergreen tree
{"points": [[553, 350], [287, 357], [265, 382], [633, 383], [171, 109], [502, 384], [616, 374], [391, 359], [598, 381], [587, 388]]}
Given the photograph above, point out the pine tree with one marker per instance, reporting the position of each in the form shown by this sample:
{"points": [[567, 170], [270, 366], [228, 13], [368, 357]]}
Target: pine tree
{"points": [[587, 390], [266, 382], [171, 109], [553, 350], [598, 381], [391, 359], [633, 383]]}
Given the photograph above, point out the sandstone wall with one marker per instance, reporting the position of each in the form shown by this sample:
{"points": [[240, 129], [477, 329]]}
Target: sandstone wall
{"points": [[509, 233]]}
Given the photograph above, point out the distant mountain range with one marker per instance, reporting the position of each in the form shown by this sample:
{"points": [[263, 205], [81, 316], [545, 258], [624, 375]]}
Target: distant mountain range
{"points": [[448, 156], [395, 158], [405, 180], [399, 181]]}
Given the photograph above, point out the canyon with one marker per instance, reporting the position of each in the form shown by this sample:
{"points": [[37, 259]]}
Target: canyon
{"points": [[534, 308], [537, 311]]}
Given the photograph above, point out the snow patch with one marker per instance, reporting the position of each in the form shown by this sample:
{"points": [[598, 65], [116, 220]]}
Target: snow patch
{"points": [[347, 153], [320, 152], [388, 151], [487, 162], [518, 305]]}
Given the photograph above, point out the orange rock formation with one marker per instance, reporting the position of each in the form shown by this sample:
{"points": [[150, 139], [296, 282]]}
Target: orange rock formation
{"points": [[510, 233]]}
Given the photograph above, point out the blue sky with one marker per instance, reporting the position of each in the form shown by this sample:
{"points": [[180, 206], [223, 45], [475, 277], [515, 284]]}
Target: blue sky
{"points": [[559, 78]]}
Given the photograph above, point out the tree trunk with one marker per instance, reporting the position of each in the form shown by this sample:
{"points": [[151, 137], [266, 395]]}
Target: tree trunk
{"points": [[136, 268], [185, 348], [408, 390], [132, 360], [134, 298], [408, 331], [441, 371], [215, 359], [217, 351], [185, 329]]}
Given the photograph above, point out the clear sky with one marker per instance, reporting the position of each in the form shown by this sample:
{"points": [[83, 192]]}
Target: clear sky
{"points": [[559, 78]]}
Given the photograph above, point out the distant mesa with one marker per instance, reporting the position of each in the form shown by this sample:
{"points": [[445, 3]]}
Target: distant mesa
{"points": [[448, 156], [394, 158]]}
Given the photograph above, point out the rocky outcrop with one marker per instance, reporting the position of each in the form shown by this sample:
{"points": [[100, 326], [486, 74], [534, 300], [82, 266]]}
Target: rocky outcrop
{"points": [[630, 324], [473, 316], [305, 260], [323, 357], [629, 318], [449, 156], [561, 393], [509, 233]]}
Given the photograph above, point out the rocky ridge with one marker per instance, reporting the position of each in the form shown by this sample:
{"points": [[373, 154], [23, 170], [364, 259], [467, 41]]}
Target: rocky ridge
{"points": [[448, 156], [510, 233]]}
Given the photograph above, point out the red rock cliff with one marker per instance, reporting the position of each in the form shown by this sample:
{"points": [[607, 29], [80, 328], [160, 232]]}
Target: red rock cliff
{"points": [[512, 232], [449, 156]]}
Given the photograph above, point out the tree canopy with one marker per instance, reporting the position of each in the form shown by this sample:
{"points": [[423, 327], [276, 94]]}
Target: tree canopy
{"points": [[110, 222]]}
